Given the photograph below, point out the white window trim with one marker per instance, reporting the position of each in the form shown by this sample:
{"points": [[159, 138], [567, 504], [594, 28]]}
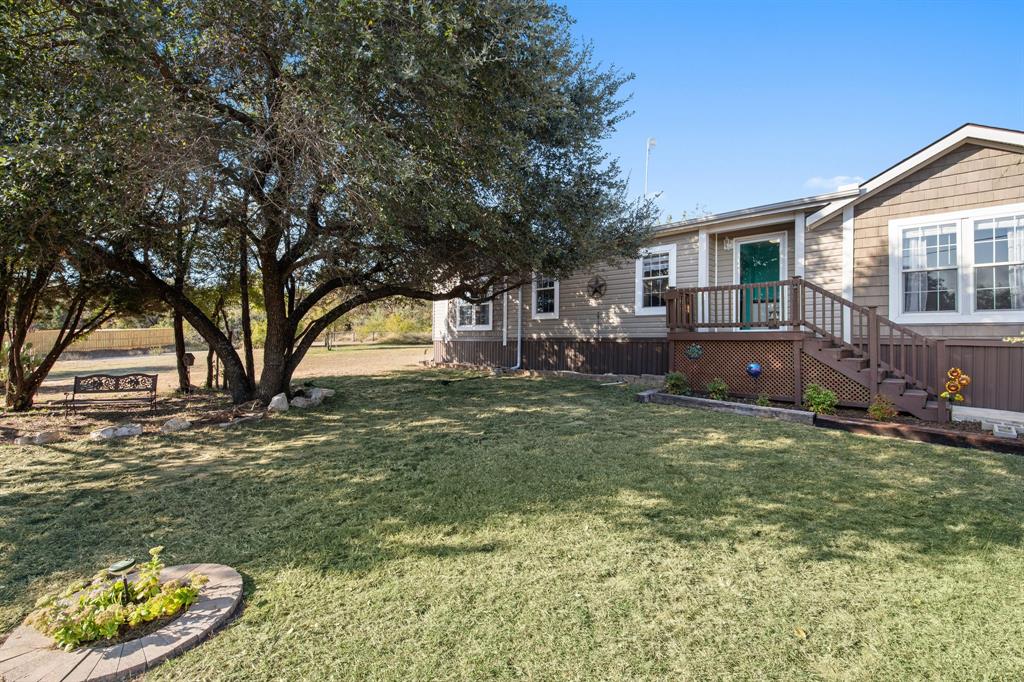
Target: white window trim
{"points": [[639, 308], [533, 303], [459, 302], [965, 313]]}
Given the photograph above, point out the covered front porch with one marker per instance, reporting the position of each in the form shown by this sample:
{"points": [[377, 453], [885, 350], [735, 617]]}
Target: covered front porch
{"points": [[800, 333]]}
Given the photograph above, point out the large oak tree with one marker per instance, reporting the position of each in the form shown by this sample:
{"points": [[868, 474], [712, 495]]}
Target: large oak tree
{"points": [[353, 150]]}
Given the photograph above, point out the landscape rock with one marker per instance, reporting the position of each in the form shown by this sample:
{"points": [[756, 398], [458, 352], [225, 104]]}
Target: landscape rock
{"points": [[279, 403], [41, 438], [45, 437], [123, 431], [175, 424], [302, 401], [319, 393]]}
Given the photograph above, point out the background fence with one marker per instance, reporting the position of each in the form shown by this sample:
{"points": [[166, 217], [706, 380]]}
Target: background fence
{"points": [[108, 339]]}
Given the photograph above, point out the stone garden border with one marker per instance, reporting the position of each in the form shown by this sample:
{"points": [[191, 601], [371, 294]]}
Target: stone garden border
{"points": [[29, 655], [746, 409], [924, 434]]}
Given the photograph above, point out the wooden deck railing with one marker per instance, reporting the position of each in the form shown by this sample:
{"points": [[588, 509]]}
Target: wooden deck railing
{"points": [[799, 305]]}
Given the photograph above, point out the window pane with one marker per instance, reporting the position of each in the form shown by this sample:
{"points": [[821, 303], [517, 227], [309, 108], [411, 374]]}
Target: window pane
{"points": [[545, 300], [983, 252], [999, 287], [983, 278], [655, 265], [465, 314], [931, 291], [652, 293], [482, 314]]}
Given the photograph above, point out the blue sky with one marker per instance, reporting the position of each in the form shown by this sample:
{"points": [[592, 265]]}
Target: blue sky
{"points": [[752, 103]]}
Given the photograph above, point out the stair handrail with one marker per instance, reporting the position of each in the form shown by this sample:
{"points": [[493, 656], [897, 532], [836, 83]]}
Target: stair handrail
{"points": [[684, 313]]}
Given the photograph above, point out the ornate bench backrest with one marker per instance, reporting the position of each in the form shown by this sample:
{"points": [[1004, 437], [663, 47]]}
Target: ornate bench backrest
{"points": [[116, 383]]}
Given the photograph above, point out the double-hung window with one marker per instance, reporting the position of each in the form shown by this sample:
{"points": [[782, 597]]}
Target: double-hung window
{"points": [[929, 266], [999, 263], [960, 267], [545, 298], [472, 316], [655, 273]]}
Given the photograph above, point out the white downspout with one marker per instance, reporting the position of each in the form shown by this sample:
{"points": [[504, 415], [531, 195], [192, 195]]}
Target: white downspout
{"points": [[519, 332]]}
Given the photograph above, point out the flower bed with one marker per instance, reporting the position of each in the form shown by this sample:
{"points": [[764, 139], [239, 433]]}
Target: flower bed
{"points": [[28, 651]]}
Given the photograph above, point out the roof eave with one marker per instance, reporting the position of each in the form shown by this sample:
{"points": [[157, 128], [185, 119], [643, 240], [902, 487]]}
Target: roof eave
{"points": [[752, 212], [970, 133]]}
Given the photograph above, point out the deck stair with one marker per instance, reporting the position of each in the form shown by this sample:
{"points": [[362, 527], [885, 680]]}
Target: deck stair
{"points": [[854, 340]]}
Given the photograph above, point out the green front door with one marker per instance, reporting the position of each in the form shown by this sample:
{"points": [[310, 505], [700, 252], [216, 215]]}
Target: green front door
{"points": [[759, 262]]}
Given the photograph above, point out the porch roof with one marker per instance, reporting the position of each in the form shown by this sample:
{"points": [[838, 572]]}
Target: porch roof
{"points": [[803, 203]]}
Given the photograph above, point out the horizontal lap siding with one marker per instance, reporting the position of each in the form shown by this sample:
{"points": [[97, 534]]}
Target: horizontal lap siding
{"points": [[581, 316], [968, 177], [824, 255]]}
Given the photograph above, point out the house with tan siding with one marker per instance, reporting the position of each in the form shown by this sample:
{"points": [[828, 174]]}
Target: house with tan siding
{"points": [[875, 289]]}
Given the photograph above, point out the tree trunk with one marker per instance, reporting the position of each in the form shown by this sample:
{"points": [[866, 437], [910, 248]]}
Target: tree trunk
{"points": [[274, 378], [243, 286], [184, 385]]}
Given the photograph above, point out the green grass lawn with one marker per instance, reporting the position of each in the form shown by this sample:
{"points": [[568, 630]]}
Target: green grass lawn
{"points": [[547, 529]]}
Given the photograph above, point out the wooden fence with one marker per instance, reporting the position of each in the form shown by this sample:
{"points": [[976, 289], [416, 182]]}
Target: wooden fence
{"points": [[108, 339]]}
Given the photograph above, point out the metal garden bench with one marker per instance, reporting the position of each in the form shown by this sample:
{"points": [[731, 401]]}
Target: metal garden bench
{"points": [[123, 389]]}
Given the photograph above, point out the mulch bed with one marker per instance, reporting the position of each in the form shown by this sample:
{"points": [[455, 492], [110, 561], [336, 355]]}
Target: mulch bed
{"points": [[923, 433], [955, 433]]}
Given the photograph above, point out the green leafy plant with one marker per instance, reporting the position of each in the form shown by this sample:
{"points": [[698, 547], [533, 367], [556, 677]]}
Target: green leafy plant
{"points": [[104, 607], [882, 408], [763, 400], [820, 400], [676, 383], [718, 389]]}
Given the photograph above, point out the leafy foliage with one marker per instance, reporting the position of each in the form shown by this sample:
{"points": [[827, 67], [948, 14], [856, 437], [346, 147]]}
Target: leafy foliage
{"points": [[882, 408], [676, 383], [717, 389], [348, 152], [820, 400], [763, 400], [102, 609]]}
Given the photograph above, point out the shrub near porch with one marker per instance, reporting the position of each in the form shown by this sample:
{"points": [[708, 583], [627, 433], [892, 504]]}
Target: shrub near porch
{"points": [[509, 527]]}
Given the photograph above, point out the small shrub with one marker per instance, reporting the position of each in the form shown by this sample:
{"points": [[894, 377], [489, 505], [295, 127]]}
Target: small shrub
{"points": [[763, 400], [882, 408], [718, 389], [820, 400], [102, 609], [676, 383]]}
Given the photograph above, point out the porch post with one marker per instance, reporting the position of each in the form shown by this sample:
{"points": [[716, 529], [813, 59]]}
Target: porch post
{"points": [[873, 349], [847, 270], [799, 223], [702, 275]]}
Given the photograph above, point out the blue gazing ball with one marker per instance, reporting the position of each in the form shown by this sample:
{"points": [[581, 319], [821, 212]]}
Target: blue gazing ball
{"points": [[754, 369]]}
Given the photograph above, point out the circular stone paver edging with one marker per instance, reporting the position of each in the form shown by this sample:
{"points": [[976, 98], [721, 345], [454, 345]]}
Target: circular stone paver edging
{"points": [[30, 655]]}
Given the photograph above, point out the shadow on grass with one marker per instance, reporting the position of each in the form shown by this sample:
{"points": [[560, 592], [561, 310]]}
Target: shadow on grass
{"points": [[333, 489]]}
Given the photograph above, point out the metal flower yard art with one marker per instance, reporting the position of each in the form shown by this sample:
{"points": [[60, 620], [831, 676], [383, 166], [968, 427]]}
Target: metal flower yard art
{"points": [[956, 382]]}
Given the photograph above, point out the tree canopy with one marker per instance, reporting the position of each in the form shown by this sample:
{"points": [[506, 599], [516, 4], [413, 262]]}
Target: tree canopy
{"points": [[346, 151]]}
